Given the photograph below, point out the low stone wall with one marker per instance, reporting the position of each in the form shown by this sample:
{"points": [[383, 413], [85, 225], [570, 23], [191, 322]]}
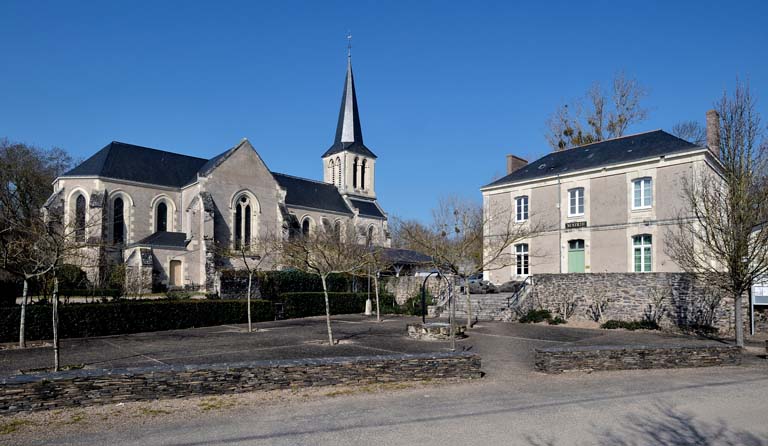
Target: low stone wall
{"points": [[405, 287], [95, 387], [628, 357], [672, 299]]}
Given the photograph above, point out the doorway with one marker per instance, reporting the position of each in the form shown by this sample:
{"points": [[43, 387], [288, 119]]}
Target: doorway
{"points": [[576, 256], [176, 273]]}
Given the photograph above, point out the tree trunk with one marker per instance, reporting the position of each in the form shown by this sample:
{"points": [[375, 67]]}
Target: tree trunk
{"points": [[23, 317], [56, 362], [376, 291], [469, 302], [327, 311], [739, 320], [248, 299], [452, 321]]}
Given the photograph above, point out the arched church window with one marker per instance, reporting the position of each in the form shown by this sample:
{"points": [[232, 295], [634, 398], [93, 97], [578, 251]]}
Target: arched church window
{"points": [[332, 168], [243, 222], [369, 236], [305, 227], [161, 217], [338, 168], [354, 173], [362, 174], [118, 221], [337, 230], [80, 218]]}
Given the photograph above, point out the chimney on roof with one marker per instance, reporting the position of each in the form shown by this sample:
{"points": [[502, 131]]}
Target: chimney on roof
{"points": [[515, 163], [713, 132]]}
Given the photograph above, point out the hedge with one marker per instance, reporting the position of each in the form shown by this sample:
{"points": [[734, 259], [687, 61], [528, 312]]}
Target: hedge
{"points": [[274, 283], [104, 319], [313, 304]]}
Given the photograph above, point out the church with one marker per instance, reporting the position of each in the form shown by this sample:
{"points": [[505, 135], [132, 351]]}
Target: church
{"points": [[166, 216]]}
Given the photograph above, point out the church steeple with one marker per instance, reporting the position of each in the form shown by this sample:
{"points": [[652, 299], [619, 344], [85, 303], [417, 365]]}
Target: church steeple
{"points": [[348, 129], [348, 163], [349, 132]]}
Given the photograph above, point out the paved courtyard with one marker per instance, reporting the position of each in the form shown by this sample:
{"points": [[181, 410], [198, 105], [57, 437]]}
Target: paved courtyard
{"points": [[505, 348], [511, 405]]}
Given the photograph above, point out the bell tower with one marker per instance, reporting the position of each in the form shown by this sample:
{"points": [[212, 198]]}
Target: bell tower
{"points": [[348, 163]]}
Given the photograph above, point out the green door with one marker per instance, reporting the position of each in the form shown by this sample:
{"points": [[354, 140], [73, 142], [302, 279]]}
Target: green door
{"points": [[576, 256]]}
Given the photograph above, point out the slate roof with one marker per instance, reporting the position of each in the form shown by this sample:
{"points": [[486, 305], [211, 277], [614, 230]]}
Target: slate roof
{"points": [[311, 194], [613, 151], [123, 161], [406, 256], [349, 132], [166, 239], [367, 208], [151, 166]]}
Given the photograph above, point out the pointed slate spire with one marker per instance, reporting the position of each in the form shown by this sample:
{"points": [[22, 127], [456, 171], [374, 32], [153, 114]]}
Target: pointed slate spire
{"points": [[348, 130], [349, 133]]}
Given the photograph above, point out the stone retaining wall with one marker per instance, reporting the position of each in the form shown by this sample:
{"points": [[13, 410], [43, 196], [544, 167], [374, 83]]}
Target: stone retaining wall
{"points": [[94, 387], [595, 358], [674, 299], [405, 287]]}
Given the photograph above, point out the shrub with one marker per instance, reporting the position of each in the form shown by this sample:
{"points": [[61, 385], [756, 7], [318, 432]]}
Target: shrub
{"points": [[630, 325], [177, 295], [557, 320], [313, 304], [412, 306], [103, 319], [701, 329], [536, 316], [72, 277]]}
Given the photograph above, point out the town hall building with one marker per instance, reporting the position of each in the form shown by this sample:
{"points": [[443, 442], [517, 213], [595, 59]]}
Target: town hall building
{"points": [[167, 216]]}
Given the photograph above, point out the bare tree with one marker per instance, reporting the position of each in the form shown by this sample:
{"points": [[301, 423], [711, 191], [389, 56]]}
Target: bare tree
{"points": [[464, 240], [327, 251], [724, 237], [599, 115], [378, 262], [691, 131], [251, 258]]}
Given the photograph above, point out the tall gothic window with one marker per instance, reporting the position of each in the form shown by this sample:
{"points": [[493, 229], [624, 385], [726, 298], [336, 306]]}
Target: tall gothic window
{"points": [[369, 236], [161, 217], [118, 221], [362, 174], [305, 227], [354, 173], [80, 218], [243, 223], [332, 168], [338, 168], [337, 230]]}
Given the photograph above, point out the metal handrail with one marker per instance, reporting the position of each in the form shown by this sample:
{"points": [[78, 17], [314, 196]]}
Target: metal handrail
{"points": [[514, 299]]}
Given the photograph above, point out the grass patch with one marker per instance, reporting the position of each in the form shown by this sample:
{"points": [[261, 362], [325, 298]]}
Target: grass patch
{"points": [[75, 419], [153, 412], [13, 426], [214, 404]]}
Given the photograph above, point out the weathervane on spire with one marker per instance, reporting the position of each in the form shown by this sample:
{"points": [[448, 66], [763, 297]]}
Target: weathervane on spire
{"points": [[349, 44]]}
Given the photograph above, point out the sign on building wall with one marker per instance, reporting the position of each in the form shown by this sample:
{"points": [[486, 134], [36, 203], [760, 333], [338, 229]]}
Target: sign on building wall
{"points": [[575, 224]]}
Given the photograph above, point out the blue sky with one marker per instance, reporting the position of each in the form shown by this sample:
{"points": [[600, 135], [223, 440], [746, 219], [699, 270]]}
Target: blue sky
{"points": [[445, 89]]}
